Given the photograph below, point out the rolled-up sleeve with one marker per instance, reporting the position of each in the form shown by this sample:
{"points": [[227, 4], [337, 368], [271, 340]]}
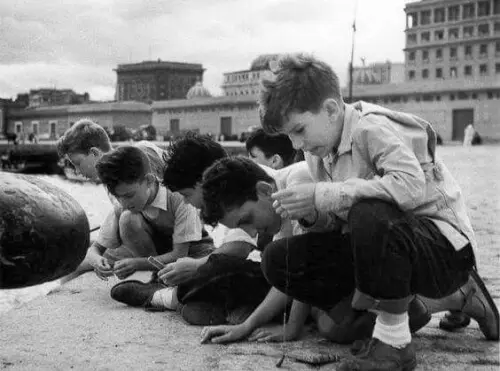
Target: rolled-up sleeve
{"points": [[399, 176]]}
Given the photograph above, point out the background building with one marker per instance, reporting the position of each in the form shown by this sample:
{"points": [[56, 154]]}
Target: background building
{"points": [[379, 73], [55, 97], [247, 82], [156, 80], [452, 67]]}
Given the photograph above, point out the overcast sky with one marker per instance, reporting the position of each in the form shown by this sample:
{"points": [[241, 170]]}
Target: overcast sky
{"points": [[77, 43]]}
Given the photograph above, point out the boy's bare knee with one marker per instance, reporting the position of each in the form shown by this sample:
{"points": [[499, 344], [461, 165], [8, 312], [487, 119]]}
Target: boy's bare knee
{"points": [[131, 222]]}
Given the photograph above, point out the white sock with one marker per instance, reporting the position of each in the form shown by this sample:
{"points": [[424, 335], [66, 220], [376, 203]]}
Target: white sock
{"points": [[397, 336], [165, 298]]}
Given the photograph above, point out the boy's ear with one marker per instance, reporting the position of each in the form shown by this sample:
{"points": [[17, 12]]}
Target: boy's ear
{"points": [[277, 162], [331, 107], [264, 189], [95, 151]]}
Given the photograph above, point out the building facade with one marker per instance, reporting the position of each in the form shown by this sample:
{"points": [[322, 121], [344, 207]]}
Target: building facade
{"points": [[247, 82], [379, 73], [49, 123], [156, 80], [55, 97]]}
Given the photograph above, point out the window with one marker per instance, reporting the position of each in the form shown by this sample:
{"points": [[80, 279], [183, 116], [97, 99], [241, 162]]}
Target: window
{"points": [[453, 13], [453, 72], [411, 38], [497, 47], [468, 51], [411, 75], [438, 35], [438, 98], [462, 95], [468, 31], [497, 67], [468, 11], [496, 6], [452, 96], [425, 73], [411, 56], [439, 54], [483, 50], [425, 55], [174, 126], [483, 29], [474, 96], [425, 17], [425, 36], [453, 53], [496, 28], [483, 69], [439, 73], [483, 8], [412, 20], [438, 15], [453, 33], [468, 70]]}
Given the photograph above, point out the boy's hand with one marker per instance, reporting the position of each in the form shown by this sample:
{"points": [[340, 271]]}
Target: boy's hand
{"points": [[274, 333], [102, 267], [296, 202], [179, 271], [224, 334], [125, 267]]}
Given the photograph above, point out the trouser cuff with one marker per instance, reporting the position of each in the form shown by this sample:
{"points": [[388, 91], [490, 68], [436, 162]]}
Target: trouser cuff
{"points": [[364, 301]]}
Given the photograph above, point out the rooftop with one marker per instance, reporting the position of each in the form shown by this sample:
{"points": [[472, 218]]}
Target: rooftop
{"points": [[159, 64]]}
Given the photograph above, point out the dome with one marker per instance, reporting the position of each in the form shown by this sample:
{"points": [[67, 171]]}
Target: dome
{"points": [[262, 61], [198, 91]]}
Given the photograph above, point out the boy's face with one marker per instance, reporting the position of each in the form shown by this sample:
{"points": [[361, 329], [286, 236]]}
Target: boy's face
{"points": [[193, 196], [134, 196], [254, 216], [85, 164], [259, 157], [317, 133]]}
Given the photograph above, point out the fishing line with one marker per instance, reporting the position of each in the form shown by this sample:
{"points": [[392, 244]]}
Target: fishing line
{"points": [[283, 346]]}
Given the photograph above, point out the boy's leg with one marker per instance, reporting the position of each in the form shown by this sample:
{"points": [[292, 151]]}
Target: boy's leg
{"points": [[396, 256]]}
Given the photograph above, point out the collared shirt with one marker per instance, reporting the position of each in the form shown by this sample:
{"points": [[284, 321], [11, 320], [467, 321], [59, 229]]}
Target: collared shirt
{"points": [[390, 156]]}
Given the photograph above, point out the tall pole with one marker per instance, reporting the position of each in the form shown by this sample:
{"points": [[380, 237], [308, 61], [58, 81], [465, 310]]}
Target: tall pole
{"points": [[351, 64]]}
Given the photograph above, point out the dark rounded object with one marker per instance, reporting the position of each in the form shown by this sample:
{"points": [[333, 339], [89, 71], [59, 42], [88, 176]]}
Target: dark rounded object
{"points": [[44, 232]]}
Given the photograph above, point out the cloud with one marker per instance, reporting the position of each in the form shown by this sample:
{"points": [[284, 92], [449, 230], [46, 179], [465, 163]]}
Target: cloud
{"points": [[75, 41]]}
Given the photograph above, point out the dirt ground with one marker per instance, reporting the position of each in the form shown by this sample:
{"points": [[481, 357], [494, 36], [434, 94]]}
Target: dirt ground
{"points": [[80, 327]]}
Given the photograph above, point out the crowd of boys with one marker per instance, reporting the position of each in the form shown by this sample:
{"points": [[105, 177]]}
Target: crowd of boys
{"points": [[368, 236]]}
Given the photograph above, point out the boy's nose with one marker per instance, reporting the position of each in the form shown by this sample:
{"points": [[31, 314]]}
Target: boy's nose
{"points": [[296, 142]]}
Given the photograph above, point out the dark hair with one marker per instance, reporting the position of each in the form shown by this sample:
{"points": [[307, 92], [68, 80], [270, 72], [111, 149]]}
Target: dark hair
{"points": [[229, 183], [81, 137], [126, 164], [301, 83], [272, 144], [187, 158]]}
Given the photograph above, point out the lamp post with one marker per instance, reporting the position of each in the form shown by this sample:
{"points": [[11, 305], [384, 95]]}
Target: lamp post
{"points": [[351, 64]]}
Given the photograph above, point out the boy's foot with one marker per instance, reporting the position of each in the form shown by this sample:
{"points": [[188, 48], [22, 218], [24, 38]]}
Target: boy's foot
{"points": [[378, 356], [480, 306], [453, 321], [135, 293]]}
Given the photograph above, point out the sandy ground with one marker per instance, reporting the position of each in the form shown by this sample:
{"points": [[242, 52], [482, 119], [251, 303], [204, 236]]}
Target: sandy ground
{"points": [[80, 327]]}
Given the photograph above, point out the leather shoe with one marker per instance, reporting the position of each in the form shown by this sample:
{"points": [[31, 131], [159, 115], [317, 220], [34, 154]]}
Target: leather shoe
{"points": [[480, 306], [378, 356], [135, 293]]}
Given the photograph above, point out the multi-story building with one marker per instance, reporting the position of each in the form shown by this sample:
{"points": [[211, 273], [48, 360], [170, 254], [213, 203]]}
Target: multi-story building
{"points": [[156, 80], [55, 97], [379, 73], [452, 39], [247, 82]]}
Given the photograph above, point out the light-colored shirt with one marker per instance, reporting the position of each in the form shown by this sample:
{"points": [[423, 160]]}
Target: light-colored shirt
{"points": [[390, 156]]}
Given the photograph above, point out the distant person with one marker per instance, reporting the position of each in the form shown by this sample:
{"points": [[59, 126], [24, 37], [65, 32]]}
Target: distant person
{"points": [[468, 135], [272, 150]]}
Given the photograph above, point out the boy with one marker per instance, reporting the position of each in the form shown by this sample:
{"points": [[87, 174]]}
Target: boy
{"points": [[396, 205], [271, 150], [84, 144], [166, 226]]}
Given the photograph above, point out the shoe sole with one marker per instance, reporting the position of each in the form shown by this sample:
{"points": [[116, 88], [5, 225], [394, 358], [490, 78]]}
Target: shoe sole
{"points": [[491, 303], [113, 289]]}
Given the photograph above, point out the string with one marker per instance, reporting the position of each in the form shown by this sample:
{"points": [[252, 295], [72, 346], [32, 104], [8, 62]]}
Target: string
{"points": [[283, 346]]}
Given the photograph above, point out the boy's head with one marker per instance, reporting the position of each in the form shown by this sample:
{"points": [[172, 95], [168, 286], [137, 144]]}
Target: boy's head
{"points": [[126, 173], [272, 150], [237, 193], [83, 144], [303, 101], [187, 158]]}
